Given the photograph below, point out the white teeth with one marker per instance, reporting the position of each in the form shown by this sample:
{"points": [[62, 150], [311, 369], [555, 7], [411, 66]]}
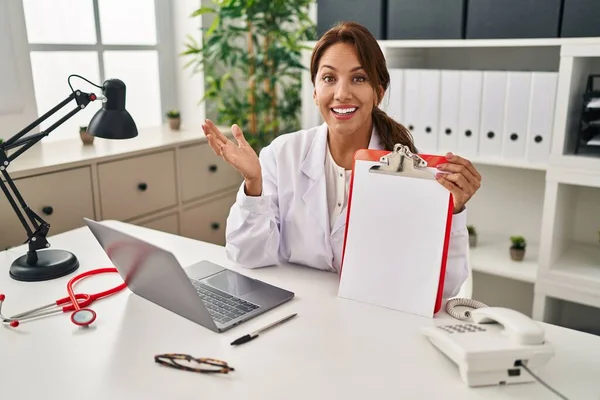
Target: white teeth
{"points": [[344, 110]]}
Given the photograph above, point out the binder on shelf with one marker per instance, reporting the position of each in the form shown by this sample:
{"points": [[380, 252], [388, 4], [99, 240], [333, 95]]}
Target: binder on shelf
{"points": [[397, 232], [449, 111], [493, 99], [541, 116], [517, 111]]}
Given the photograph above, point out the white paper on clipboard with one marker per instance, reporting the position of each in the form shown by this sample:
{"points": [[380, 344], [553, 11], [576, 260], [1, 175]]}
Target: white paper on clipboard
{"points": [[397, 234]]}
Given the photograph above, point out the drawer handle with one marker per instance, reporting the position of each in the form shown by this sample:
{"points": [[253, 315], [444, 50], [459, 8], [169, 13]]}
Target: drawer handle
{"points": [[48, 210], [212, 168], [215, 226], [514, 136], [538, 139], [490, 135], [142, 186]]}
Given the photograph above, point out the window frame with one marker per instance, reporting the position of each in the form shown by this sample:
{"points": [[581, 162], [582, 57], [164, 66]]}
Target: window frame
{"points": [[164, 48]]}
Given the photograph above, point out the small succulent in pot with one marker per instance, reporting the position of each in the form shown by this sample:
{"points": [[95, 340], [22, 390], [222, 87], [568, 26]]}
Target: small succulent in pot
{"points": [[86, 138], [472, 236], [517, 248], [174, 119]]}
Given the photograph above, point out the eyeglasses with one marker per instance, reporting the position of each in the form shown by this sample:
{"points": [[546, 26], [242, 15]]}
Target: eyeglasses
{"points": [[175, 361]]}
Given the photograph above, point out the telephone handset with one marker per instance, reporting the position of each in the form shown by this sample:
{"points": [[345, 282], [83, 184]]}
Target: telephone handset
{"points": [[490, 345]]}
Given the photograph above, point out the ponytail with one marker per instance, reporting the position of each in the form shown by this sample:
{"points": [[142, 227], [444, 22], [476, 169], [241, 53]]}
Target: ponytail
{"points": [[391, 132]]}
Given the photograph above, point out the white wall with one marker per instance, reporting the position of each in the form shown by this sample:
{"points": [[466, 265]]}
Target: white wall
{"points": [[190, 87], [17, 99]]}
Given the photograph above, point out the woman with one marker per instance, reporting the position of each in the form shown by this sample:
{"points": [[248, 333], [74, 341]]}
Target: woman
{"points": [[292, 204]]}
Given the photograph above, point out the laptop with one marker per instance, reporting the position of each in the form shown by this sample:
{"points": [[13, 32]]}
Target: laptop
{"points": [[206, 293]]}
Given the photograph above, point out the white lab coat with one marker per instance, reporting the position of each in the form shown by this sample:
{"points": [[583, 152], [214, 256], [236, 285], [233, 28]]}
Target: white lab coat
{"points": [[289, 222]]}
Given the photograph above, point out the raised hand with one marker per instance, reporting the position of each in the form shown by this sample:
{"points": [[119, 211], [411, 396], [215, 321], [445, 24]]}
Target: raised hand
{"points": [[462, 179], [241, 155]]}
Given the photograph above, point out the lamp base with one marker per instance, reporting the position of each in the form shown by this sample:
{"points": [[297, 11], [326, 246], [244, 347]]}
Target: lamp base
{"points": [[51, 264]]}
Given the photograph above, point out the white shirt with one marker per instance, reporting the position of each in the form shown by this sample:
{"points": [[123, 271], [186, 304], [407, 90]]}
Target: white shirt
{"points": [[338, 185]]}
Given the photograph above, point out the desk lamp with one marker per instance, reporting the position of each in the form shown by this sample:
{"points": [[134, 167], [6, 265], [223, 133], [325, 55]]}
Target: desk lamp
{"points": [[112, 121]]}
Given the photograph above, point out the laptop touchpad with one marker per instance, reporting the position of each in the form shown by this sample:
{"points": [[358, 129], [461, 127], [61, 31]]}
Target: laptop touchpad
{"points": [[232, 283]]}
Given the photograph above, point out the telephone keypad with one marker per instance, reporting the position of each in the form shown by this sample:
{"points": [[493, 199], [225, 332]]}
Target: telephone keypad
{"points": [[462, 328]]}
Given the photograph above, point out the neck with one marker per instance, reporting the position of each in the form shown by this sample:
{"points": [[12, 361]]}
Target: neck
{"points": [[343, 147]]}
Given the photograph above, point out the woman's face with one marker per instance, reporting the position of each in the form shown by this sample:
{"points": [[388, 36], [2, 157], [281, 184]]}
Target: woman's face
{"points": [[343, 92]]}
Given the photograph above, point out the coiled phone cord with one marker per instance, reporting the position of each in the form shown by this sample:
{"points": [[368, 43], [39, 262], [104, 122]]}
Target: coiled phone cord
{"points": [[466, 314]]}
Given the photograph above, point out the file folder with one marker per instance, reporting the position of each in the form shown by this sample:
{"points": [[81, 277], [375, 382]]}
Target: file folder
{"points": [[397, 232]]}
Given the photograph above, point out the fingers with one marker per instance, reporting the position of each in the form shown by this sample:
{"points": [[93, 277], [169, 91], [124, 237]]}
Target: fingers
{"points": [[239, 135], [459, 169], [211, 129], [452, 158], [457, 193]]}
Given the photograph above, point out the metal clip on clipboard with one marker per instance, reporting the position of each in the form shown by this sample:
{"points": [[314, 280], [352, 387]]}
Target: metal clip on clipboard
{"points": [[402, 161]]}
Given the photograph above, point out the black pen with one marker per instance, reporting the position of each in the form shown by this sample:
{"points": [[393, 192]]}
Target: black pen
{"points": [[253, 335]]}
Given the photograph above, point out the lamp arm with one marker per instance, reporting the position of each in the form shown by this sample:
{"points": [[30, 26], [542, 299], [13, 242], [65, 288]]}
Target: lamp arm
{"points": [[36, 236]]}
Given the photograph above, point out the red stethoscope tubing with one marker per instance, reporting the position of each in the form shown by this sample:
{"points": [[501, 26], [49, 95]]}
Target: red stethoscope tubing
{"points": [[77, 306]]}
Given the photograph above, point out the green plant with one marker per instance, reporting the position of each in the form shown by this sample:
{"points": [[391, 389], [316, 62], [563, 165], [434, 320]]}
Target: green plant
{"points": [[82, 128], [471, 230], [251, 56], [173, 114], [518, 242]]}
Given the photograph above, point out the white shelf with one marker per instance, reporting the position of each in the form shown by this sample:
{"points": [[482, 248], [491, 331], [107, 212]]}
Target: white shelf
{"points": [[578, 267], [492, 256], [500, 162], [578, 170]]}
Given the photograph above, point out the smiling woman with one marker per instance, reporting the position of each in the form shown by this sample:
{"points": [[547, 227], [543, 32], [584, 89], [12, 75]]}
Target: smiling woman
{"points": [[293, 202]]}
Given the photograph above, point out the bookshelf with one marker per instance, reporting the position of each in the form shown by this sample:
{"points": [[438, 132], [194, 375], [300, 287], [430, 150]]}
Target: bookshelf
{"points": [[554, 200]]}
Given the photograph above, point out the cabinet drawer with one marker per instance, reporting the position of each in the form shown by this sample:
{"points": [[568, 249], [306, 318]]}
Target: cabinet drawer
{"points": [[169, 224], [62, 199], [137, 186], [207, 221], [203, 172]]}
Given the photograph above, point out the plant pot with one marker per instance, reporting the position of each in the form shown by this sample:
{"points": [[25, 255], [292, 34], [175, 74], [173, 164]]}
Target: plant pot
{"points": [[174, 123], [86, 138], [517, 254], [472, 240]]}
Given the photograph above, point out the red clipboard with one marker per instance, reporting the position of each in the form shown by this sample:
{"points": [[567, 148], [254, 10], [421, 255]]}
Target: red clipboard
{"points": [[427, 161]]}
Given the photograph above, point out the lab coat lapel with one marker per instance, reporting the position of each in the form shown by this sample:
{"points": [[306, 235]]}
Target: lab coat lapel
{"points": [[315, 196], [341, 219]]}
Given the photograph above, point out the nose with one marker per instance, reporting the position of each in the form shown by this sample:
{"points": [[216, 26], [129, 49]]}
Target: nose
{"points": [[342, 91]]}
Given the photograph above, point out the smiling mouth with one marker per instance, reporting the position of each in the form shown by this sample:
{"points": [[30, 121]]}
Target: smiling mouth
{"points": [[344, 111]]}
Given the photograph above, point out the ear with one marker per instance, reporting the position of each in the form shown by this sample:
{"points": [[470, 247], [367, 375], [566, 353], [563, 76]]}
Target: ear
{"points": [[315, 97]]}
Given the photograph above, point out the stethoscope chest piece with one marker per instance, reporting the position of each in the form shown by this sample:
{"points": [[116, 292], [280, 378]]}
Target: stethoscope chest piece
{"points": [[83, 317]]}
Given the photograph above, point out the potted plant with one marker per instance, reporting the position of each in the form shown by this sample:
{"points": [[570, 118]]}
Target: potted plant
{"points": [[174, 119], [251, 57], [517, 248], [86, 138], [472, 235]]}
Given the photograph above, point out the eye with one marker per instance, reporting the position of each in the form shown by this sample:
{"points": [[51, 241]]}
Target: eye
{"points": [[328, 78], [360, 79]]}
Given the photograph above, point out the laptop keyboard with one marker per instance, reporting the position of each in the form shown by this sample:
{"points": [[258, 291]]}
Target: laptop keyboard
{"points": [[221, 306]]}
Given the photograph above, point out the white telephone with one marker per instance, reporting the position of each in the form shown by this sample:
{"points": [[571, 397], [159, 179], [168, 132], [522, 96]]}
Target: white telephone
{"points": [[495, 348]]}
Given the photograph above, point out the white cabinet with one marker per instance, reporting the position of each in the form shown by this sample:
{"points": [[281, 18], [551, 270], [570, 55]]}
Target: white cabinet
{"points": [[164, 180], [62, 199]]}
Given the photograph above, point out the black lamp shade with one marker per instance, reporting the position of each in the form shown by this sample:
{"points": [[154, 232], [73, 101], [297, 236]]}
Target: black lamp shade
{"points": [[113, 121]]}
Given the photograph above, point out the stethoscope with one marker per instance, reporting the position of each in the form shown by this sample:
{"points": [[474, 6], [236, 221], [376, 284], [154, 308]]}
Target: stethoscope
{"points": [[77, 303]]}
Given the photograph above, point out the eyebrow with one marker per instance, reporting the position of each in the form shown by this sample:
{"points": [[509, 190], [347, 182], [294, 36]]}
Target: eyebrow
{"points": [[352, 70]]}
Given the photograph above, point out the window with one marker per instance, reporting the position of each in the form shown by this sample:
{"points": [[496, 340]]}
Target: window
{"points": [[99, 40]]}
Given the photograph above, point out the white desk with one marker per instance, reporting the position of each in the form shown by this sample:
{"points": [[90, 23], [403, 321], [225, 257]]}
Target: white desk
{"points": [[334, 349]]}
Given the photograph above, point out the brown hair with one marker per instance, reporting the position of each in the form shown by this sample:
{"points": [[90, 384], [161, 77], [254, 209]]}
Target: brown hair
{"points": [[373, 62]]}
